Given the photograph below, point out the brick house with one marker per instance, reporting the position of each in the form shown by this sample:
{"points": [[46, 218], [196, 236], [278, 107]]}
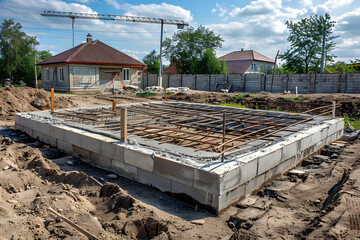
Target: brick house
{"points": [[90, 67]]}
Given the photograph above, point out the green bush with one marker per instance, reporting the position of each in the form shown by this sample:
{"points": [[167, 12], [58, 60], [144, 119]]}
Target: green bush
{"points": [[146, 94]]}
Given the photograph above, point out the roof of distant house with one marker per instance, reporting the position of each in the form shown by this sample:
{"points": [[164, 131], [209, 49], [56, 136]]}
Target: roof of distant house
{"points": [[93, 52], [170, 69], [240, 61]]}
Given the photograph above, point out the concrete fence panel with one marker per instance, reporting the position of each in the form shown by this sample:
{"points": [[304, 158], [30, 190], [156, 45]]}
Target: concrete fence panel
{"points": [[306, 83]]}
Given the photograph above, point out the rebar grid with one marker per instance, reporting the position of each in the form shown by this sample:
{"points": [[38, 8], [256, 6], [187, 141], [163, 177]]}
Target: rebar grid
{"points": [[200, 127]]}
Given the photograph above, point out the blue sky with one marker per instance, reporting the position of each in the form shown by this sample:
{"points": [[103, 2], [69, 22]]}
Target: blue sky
{"points": [[257, 24]]}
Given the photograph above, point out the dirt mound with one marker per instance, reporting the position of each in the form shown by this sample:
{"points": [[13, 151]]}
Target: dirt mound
{"points": [[26, 99]]}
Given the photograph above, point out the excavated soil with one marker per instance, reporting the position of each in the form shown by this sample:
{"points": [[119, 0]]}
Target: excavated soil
{"points": [[318, 201]]}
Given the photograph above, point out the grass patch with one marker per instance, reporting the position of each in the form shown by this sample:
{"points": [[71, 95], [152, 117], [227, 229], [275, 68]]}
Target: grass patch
{"points": [[146, 94], [18, 85], [74, 93], [1, 85], [237, 105], [293, 98], [355, 122], [170, 93], [238, 96]]}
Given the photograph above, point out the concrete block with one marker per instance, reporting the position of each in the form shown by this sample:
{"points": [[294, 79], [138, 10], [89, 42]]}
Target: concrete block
{"points": [[95, 157], [200, 196], [64, 146], [269, 161], [305, 142], [324, 132], [332, 129], [290, 150], [17, 119], [254, 184], [248, 170], [124, 169], [119, 153], [44, 128], [104, 162], [206, 181], [81, 152], [90, 143], [139, 160], [73, 137], [154, 180], [173, 170], [107, 149], [231, 197], [57, 132], [340, 124]]}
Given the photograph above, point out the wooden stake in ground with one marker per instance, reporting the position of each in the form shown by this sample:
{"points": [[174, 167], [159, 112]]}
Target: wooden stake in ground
{"points": [[165, 92], [123, 124], [52, 100], [80, 229], [113, 105]]}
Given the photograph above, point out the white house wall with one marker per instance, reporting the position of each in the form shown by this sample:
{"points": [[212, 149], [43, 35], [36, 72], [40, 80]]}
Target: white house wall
{"points": [[258, 65]]}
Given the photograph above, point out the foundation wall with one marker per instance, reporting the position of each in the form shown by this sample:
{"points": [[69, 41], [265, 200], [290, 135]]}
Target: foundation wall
{"points": [[215, 184]]}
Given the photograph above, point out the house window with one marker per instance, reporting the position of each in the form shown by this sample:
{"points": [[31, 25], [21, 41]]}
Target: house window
{"points": [[47, 74], [126, 72], [253, 67], [61, 74]]}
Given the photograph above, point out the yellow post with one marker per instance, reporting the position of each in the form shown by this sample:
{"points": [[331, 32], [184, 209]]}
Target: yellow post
{"points": [[165, 92], [123, 124], [52, 99]]}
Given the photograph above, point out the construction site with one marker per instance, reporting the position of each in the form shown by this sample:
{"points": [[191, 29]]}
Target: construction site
{"points": [[103, 148], [116, 166]]}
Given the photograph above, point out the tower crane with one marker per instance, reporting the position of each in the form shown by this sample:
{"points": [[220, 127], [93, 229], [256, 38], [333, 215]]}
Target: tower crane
{"points": [[108, 17]]}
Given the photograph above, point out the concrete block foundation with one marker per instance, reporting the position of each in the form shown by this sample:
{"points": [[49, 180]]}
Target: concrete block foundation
{"points": [[180, 169]]}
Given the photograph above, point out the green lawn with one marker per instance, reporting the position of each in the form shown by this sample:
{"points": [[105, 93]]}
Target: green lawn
{"points": [[355, 122]]}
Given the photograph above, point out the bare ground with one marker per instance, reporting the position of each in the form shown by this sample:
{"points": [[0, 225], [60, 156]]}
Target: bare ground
{"points": [[322, 202]]}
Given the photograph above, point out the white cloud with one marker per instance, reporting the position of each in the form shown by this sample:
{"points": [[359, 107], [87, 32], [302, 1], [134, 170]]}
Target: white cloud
{"points": [[162, 10], [113, 3], [221, 11], [349, 42], [257, 7], [307, 2], [135, 54]]}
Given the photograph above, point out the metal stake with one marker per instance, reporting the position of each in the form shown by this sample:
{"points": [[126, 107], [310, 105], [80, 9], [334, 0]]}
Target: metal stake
{"points": [[223, 140]]}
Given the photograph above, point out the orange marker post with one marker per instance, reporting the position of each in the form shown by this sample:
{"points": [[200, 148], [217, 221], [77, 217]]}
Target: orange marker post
{"points": [[177, 98], [52, 100], [165, 92], [113, 105]]}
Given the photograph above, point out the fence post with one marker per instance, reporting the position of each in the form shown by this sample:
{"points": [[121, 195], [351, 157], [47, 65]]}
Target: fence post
{"points": [[123, 124], [244, 82], [195, 82], [209, 82]]}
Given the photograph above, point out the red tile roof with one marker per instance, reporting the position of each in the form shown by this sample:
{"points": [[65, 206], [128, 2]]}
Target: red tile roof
{"points": [[246, 55], [171, 69], [95, 52], [240, 61]]}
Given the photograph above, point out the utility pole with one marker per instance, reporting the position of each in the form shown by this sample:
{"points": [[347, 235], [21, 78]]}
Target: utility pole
{"points": [[72, 25], [323, 52], [36, 81], [180, 23]]}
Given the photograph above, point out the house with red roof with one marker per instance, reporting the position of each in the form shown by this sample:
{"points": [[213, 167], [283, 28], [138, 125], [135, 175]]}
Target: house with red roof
{"points": [[90, 66], [248, 61]]}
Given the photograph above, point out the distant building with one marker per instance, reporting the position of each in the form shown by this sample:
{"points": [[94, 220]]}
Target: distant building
{"points": [[248, 61], [89, 67]]}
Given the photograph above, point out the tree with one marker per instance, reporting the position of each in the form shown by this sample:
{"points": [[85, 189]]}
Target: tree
{"points": [[186, 47], [341, 67], [209, 64], [305, 39], [152, 62], [16, 47]]}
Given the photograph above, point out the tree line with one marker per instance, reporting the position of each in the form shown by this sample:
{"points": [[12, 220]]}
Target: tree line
{"points": [[18, 53]]}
